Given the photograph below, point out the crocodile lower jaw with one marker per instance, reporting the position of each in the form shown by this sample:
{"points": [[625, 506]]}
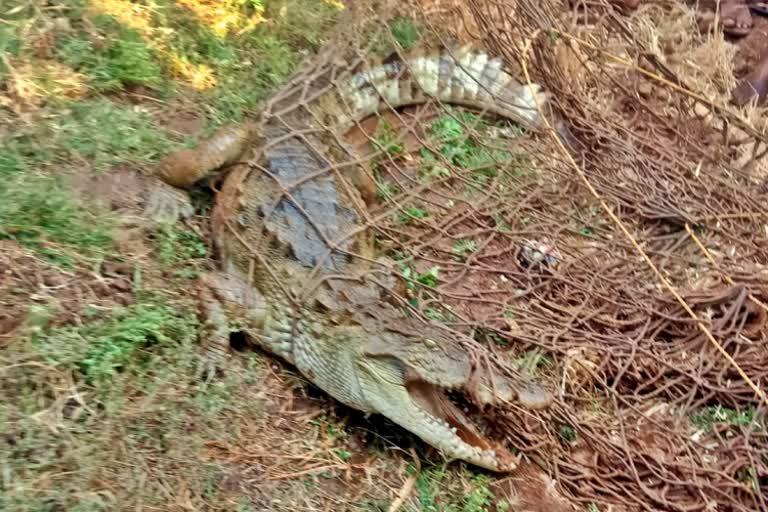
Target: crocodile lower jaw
{"points": [[473, 445]]}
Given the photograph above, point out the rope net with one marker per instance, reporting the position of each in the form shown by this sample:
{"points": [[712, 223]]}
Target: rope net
{"points": [[627, 272]]}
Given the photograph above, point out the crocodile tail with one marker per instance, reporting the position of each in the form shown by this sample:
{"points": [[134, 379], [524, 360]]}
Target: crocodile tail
{"points": [[463, 76]]}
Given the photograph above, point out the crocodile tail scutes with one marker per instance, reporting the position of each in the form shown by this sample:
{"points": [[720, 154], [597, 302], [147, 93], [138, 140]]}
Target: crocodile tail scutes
{"points": [[462, 76]]}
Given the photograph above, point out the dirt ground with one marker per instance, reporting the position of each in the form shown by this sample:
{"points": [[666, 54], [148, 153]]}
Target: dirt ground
{"points": [[104, 404]]}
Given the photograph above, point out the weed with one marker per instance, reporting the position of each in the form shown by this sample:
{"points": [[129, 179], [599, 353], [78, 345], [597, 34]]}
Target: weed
{"points": [[39, 213], [10, 45], [108, 134], [439, 315], [708, 416], [270, 61], [176, 245], [120, 59], [479, 498], [261, 57], [432, 495], [102, 348], [465, 246], [411, 213], [568, 433], [98, 132], [461, 149], [431, 167], [405, 31], [491, 335], [384, 189], [532, 360], [301, 23], [428, 278], [385, 140], [501, 224]]}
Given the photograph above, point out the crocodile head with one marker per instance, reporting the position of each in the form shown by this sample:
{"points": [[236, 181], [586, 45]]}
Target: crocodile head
{"points": [[412, 380]]}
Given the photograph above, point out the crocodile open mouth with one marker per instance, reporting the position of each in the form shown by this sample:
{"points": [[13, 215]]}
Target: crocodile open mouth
{"points": [[446, 409]]}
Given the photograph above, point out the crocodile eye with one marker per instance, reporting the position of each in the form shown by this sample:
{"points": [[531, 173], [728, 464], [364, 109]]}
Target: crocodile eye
{"points": [[430, 343]]}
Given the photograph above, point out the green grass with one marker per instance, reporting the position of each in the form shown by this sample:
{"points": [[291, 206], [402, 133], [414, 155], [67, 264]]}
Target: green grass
{"points": [[116, 401], [113, 56], [708, 416], [458, 146], [179, 248], [248, 66], [385, 139], [40, 213], [102, 348], [97, 133], [414, 278], [403, 32], [464, 246], [411, 213], [434, 495]]}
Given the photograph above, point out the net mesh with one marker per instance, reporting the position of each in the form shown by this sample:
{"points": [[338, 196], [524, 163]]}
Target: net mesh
{"points": [[627, 272]]}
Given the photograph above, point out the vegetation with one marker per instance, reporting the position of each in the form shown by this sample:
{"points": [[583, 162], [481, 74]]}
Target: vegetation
{"points": [[430, 487], [104, 401], [708, 416], [37, 212]]}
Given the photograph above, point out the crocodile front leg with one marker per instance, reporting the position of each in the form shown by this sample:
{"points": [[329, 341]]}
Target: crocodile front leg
{"points": [[229, 305]]}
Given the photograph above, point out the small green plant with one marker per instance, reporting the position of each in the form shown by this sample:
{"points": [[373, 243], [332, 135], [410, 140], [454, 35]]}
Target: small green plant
{"points": [[405, 31], [708, 416], [479, 499], [461, 149], [101, 348], [438, 315], [431, 168], [384, 188], [532, 360], [343, 454], [434, 497], [484, 334], [465, 246], [385, 139], [410, 213], [568, 433], [176, 245], [428, 278], [501, 224]]}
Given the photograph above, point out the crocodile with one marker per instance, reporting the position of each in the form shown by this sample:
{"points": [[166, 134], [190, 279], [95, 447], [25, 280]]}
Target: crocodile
{"points": [[298, 274]]}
